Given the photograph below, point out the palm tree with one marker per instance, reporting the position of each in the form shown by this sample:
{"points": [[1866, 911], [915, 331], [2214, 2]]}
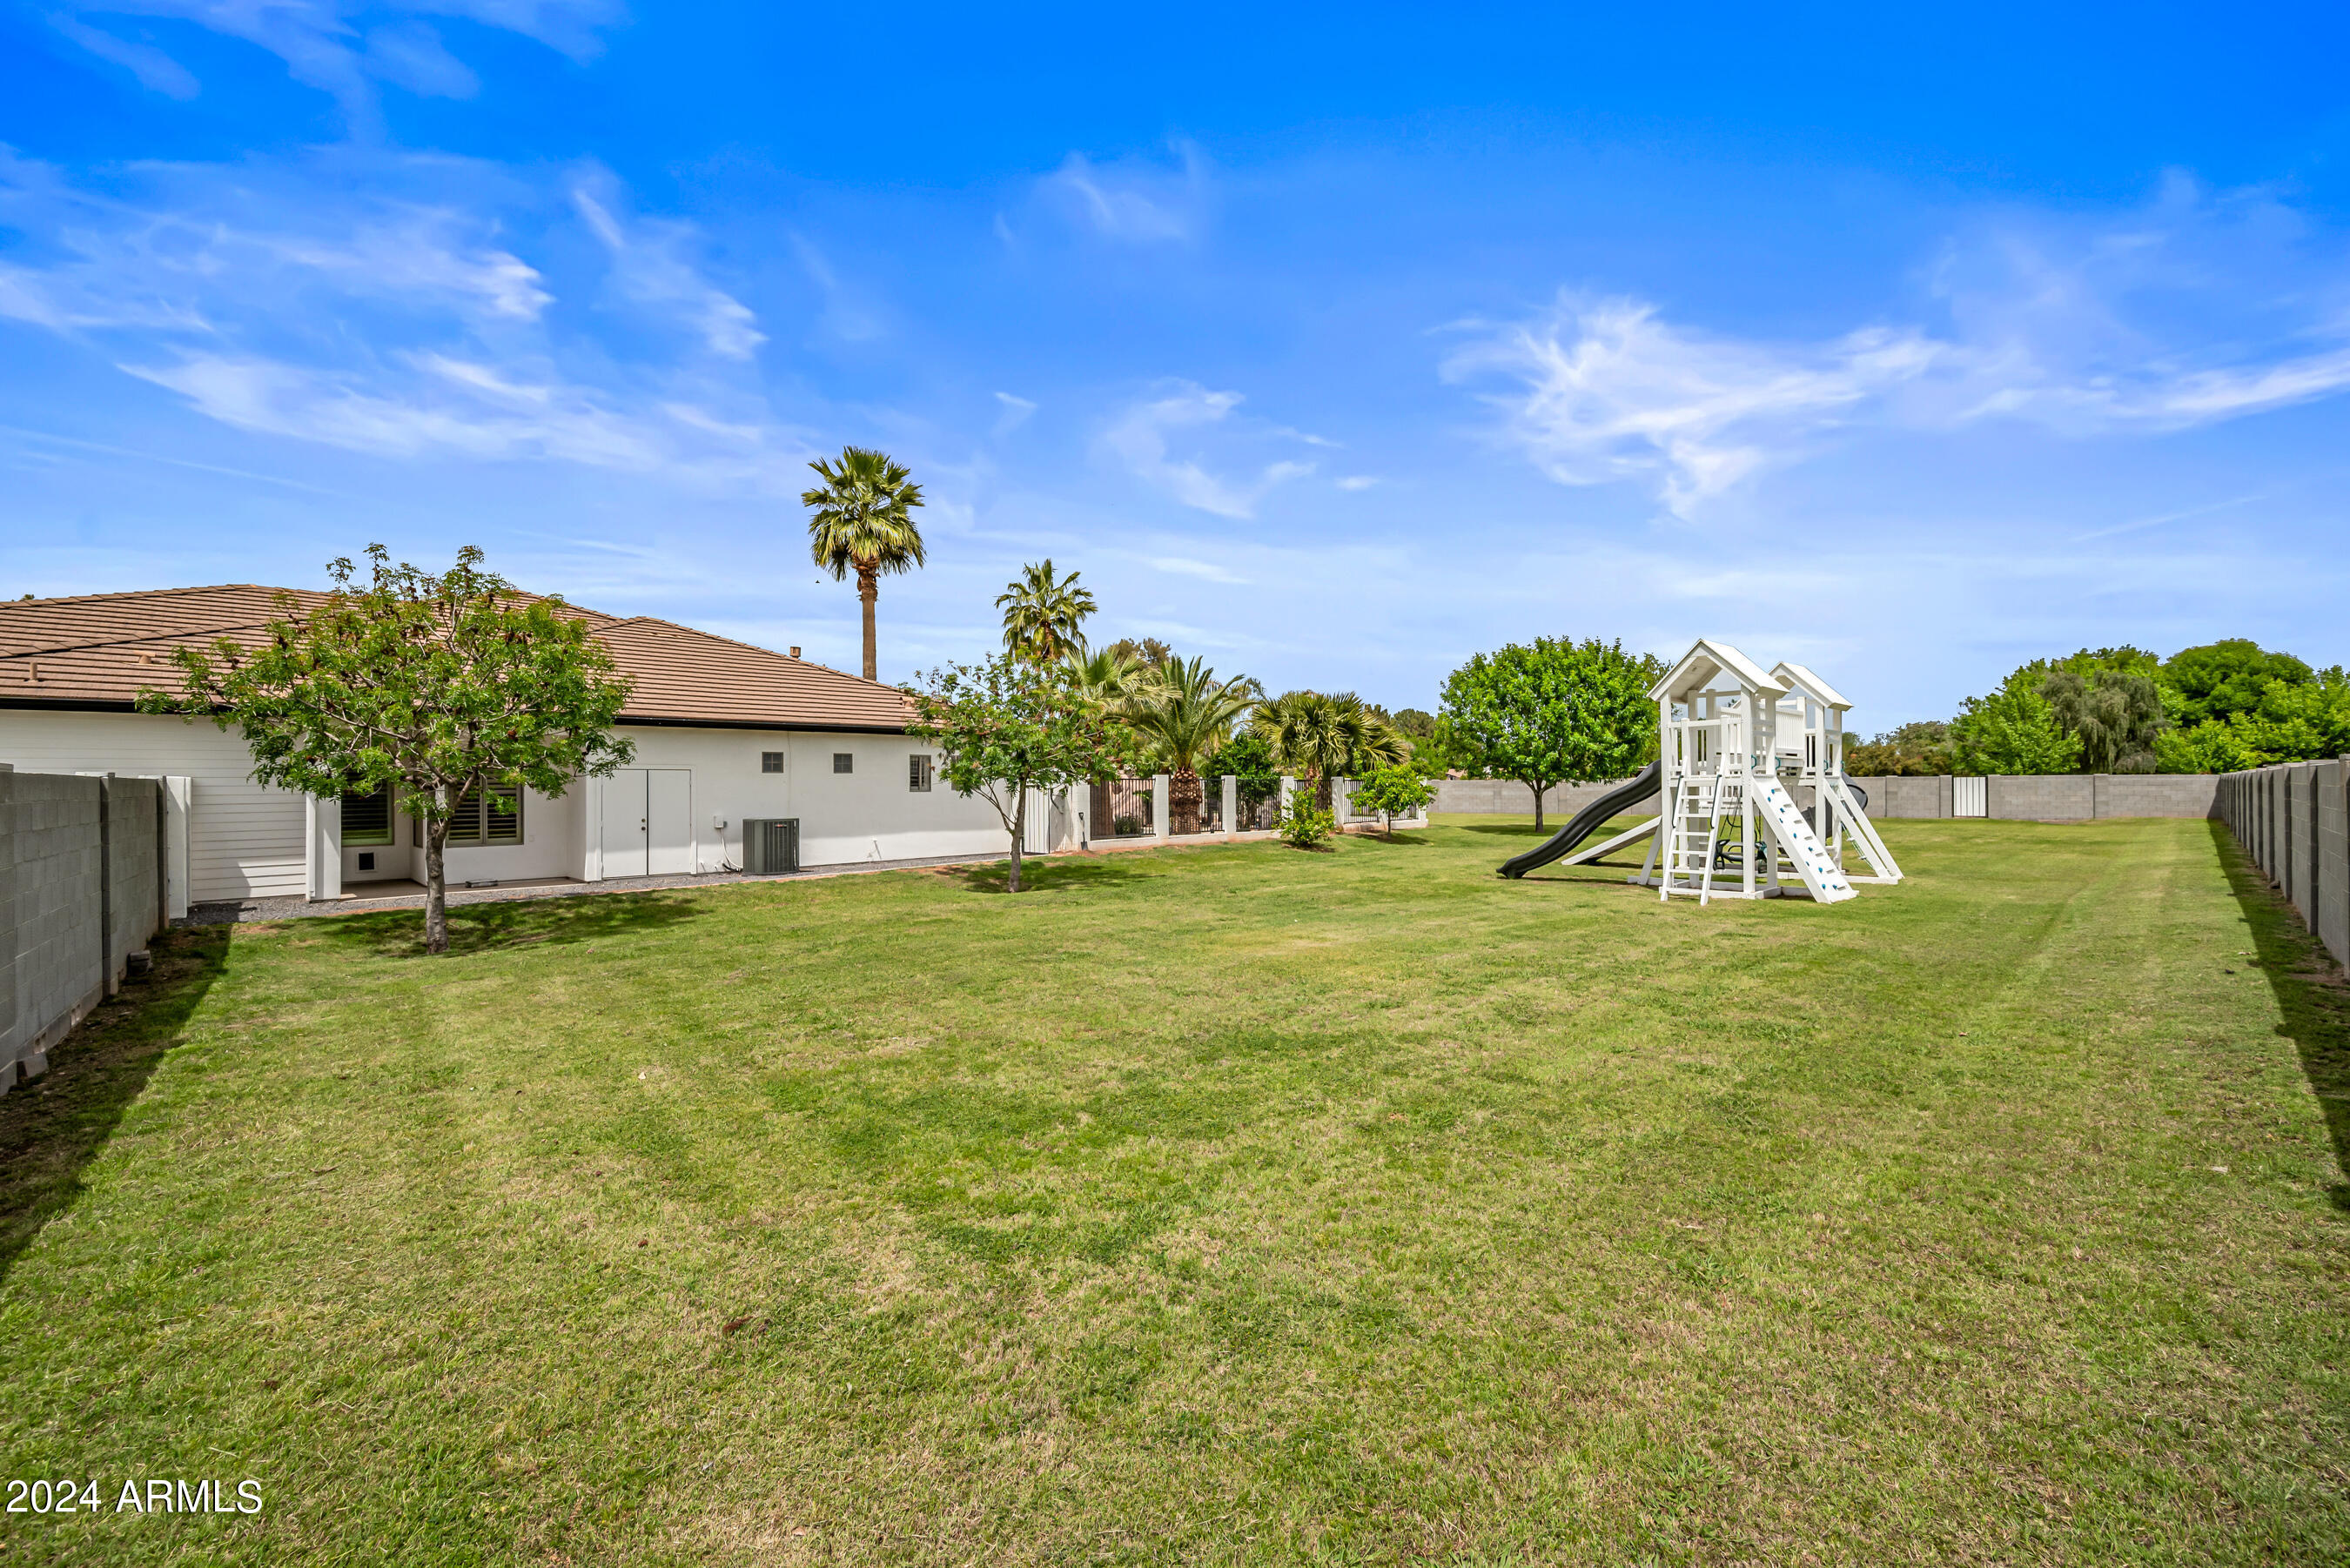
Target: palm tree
{"points": [[1304, 731], [1100, 677], [1371, 741], [1042, 613], [1186, 713], [1321, 737], [863, 523], [1100, 680]]}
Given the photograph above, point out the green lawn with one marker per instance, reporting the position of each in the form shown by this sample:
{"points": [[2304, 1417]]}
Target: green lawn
{"points": [[1214, 1205]]}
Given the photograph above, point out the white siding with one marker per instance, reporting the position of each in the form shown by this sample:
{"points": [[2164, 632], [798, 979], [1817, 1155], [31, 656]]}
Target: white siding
{"points": [[244, 841]]}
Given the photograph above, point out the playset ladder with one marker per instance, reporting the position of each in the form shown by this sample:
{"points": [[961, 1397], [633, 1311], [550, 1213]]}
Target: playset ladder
{"points": [[1689, 851]]}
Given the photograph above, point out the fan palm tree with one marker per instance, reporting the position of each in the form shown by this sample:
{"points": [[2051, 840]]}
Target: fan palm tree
{"points": [[1185, 714], [1371, 741], [1042, 613], [1100, 677], [863, 523], [1319, 737], [1302, 729]]}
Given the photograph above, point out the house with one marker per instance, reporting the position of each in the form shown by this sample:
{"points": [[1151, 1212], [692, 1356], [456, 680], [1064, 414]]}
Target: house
{"points": [[725, 733]]}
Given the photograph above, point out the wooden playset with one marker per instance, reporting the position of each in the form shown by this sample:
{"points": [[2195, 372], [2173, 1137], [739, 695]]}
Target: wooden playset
{"points": [[1735, 744]]}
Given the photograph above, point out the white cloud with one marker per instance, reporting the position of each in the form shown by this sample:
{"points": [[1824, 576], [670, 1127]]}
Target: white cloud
{"points": [[1133, 203], [1015, 413], [156, 71], [1610, 391], [649, 269], [1359, 481], [274, 301], [1139, 438], [411, 53], [1183, 566], [322, 48], [2198, 309]]}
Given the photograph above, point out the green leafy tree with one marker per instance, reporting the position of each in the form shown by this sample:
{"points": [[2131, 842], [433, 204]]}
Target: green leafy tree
{"points": [[2293, 721], [1397, 790], [438, 685], [2113, 713], [1044, 615], [1557, 712], [2013, 730], [1417, 728], [1183, 713], [1919, 749], [2221, 679], [1256, 775], [863, 523], [2214, 746], [1006, 727]]}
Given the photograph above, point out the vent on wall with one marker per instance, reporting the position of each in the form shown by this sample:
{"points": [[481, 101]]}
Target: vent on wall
{"points": [[771, 845]]}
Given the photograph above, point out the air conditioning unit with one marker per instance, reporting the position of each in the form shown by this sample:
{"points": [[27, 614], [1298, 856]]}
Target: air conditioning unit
{"points": [[771, 845]]}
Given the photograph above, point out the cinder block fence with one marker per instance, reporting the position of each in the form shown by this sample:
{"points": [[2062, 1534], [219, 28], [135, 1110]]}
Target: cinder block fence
{"points": [[82, 878], [2294, 820], [2048, 797]]}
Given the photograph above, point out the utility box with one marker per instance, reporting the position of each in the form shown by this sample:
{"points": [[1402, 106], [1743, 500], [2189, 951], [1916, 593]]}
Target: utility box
{"points": [[771, 845]]}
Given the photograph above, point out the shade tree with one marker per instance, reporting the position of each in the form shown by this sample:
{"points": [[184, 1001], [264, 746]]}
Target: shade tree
{"points": [[440, 686], [1554, 711]]}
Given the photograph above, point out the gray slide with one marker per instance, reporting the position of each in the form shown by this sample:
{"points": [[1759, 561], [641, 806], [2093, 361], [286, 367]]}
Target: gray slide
{"points": [[1586, 822]]}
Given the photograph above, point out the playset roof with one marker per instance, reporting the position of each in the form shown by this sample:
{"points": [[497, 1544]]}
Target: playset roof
{"points": [[1703, 663]]}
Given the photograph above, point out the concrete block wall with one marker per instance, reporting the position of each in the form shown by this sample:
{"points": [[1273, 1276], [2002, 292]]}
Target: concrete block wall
{"points": [[2044, 797], [80, 888], [1508, 796], [1894, 797], [2294, 821], [2058, 798], [2330, 784]]}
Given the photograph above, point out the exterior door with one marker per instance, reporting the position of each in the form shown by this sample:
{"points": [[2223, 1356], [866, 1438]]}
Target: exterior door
{"points": [[668, 822], [625, 822], [648, 826]]}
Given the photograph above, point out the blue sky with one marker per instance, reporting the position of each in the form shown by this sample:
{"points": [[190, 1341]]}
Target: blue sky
{"points": [[1335, 344]]}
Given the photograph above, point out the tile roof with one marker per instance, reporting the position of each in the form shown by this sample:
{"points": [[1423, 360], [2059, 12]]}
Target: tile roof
{"points": [[97, 651]]}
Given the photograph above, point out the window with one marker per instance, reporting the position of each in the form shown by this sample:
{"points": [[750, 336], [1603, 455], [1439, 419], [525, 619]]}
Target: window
{"points": [[918, 773], [771, 762], [367, 818], [844, 761], [491, 816]]}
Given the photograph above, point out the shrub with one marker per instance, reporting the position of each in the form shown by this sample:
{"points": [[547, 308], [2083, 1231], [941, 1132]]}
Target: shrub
{"points": [[1303, 825], [1392, 792]]}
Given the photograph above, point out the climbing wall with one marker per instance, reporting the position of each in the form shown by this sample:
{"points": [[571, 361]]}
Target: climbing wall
{"points": [[1795, 840]]}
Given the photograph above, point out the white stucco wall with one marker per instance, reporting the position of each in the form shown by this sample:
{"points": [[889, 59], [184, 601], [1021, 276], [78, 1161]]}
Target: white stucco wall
{"points": [[868, 814], [247, 842]]}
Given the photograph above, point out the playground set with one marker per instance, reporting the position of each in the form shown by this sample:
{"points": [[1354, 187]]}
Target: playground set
{"points": [[1735, 747]]}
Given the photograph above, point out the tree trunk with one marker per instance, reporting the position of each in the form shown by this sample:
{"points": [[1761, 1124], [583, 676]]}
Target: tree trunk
{"points": [[1537, 784], [436, 880], [1019, 832], [1321, 792], [1183, 793], [869, 587]]}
